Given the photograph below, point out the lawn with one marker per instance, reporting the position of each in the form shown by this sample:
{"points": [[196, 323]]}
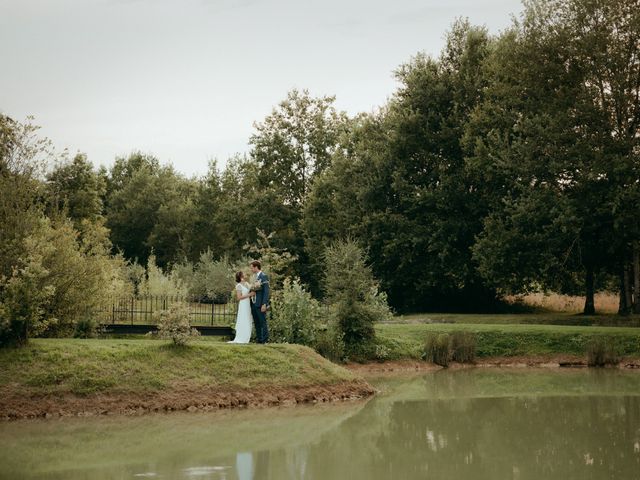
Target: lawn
{"points": [[404, 339], [81, 367]]}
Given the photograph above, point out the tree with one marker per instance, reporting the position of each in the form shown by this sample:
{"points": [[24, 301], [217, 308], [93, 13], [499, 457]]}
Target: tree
{"points": [[148, 207], [61, 278], [295, 143], [248, 209], [343, 196], [208, 231], [354, 297], [400, 185], [544, 132], [23, 156], [77, 189]]}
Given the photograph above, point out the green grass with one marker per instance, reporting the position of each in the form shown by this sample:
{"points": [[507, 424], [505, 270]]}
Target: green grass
{"points": [[546, 318], [57, 366], [406, 340]]}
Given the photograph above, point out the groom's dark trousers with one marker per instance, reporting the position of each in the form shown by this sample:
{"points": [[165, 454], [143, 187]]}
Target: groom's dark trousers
{"points": [[260, 322]]}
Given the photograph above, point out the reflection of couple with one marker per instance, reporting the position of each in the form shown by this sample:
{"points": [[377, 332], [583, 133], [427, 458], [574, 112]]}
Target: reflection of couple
{"points": [[247, 469], [253, 302]]}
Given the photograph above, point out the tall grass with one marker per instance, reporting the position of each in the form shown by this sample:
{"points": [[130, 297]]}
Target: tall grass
{"points": [[602, 351], [605, 302], [443, 348], [463, 347]]}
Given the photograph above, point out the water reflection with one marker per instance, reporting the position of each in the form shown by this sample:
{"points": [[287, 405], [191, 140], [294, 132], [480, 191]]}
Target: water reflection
{"points": [[475, 424]]}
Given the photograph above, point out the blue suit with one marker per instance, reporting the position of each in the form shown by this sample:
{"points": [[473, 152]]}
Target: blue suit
{"points": [[260, 318]]}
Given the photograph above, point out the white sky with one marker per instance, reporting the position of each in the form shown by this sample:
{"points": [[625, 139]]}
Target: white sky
{"points": [[185, 79]]}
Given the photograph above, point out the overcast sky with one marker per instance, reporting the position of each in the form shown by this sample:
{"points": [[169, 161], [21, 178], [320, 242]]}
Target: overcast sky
{"points": [[185, 79]]}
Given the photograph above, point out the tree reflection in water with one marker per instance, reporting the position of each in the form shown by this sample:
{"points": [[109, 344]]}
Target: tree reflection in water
{"points": [[474, 424]]}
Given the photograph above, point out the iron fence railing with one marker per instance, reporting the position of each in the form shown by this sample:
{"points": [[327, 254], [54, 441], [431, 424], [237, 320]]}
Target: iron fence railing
{"points": [[134, 310]]}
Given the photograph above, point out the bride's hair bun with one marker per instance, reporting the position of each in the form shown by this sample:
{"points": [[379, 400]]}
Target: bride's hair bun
{"points": [[239, 276]]}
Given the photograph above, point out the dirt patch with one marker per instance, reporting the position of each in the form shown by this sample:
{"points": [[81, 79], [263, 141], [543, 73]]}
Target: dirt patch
{"points": [[15, 404]]}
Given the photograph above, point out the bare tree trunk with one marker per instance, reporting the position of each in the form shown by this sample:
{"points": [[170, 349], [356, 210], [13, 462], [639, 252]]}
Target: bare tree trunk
{"points": [[589, 304], [627, 289], [636, 278], [623, 308]]}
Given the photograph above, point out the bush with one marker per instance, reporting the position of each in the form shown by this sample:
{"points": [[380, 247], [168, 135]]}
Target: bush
{"points": [[295, 315], [174, 324], [61, 277], [86, 327], [437, 349], [602, 351], [23, 305], [161, 284], [355, 300], [329, 342], [209, 280]]}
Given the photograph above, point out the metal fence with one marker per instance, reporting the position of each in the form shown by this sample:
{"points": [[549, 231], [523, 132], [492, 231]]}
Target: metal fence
{"points": [[142, 310]]}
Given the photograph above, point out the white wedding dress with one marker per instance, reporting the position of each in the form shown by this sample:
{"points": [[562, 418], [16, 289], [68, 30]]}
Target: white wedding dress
{"points": [[244, 318]]}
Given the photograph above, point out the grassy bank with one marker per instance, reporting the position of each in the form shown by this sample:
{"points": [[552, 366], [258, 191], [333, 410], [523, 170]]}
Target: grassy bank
{"points": [[154, 375], [406, 340]]}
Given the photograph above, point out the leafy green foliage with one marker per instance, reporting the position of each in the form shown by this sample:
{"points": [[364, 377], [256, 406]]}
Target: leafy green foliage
{"points": [[23, 155], [295, 143], [208, 279], [77, 189], [548, 143], [296, 317], [174, 324], [86, 327], [354, 298], [148, 207], [506, 164], [61, 278], [277, 261], [158, 283]]}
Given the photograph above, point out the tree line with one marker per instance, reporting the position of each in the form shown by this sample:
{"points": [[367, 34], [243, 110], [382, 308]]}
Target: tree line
{"points": [[509, 163]]}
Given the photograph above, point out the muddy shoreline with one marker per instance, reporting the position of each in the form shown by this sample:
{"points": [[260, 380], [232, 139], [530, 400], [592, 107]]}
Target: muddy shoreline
{"points": [[15, 404], [399, 367]]}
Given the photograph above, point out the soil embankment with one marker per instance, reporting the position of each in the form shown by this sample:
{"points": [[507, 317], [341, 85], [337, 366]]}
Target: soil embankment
{"points": [[395, 367], [99, 377]]}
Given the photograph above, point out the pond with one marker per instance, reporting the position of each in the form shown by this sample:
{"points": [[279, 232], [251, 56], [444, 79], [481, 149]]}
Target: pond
{"points": [[458, 424]]}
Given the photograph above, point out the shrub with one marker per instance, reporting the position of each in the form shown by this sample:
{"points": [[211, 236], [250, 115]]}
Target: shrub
{"points": [[463, 347], [602, 351], [329, 342], [382, 352], [161, 284], [61, 277], [208, 279], [86, 327], [295, 316], [173, 324], [24, 300], [353, 294], [437, 349]]}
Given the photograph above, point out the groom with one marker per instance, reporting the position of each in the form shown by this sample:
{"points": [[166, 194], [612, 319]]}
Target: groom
{"points": [[260, 303]]}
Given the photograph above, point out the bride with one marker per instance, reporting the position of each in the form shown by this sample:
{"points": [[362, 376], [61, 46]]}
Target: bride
{"points": [[243, 319]]}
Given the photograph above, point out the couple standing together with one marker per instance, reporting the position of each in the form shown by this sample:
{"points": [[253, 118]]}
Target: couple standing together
{"points": [[253, 303]]}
